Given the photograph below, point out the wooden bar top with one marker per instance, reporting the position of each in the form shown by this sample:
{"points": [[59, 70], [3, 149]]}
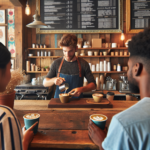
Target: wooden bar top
{"points": [[64, 128]]}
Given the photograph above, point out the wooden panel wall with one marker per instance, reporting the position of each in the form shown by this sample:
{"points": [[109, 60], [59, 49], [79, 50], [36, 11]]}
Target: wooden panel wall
{"points": [[6, 4], [30, 37]]}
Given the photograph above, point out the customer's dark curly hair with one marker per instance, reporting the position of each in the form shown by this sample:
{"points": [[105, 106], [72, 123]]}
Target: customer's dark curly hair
{"points": [[140, 44], [139, 48], [5, 56]]}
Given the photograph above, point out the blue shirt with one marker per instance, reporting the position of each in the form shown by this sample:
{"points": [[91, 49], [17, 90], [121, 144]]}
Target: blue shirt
{"points": [[130, 129]]}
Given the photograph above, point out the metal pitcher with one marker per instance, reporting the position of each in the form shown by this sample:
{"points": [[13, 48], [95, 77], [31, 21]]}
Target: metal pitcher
{"points": [[64, 87]]}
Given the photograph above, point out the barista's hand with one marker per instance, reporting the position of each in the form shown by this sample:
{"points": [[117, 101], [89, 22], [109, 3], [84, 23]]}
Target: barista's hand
{"points": [[96, 134], [76, 92], [58, 81]]}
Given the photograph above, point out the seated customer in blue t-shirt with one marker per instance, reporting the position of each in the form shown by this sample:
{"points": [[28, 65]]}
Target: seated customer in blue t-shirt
{"points": [[130, 129]]}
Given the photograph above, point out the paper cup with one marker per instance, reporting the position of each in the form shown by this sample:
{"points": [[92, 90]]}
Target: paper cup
{"points": [[29, 122]]}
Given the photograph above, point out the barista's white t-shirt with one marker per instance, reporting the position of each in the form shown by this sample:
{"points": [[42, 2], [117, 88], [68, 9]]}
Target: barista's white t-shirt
{"points": [[10, 130], [130, 129]]}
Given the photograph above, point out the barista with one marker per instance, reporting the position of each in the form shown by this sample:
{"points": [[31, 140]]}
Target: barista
{"points": [[70, 69]]}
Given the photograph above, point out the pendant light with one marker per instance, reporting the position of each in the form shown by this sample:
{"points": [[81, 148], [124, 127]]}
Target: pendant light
{"points": [[36, 23], [27, 9], [122, 37]]}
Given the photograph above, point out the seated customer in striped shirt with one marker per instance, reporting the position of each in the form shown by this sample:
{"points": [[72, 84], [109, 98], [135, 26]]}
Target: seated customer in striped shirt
{"points": [[11, 137]]}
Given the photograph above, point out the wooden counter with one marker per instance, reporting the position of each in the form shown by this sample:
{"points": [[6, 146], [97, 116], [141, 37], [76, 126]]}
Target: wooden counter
{"points": [[64, 128]]}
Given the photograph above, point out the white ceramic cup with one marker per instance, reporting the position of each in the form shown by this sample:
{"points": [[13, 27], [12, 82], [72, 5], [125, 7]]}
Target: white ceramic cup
{"points": [[113, 45], [90, 53], [30, 55]]}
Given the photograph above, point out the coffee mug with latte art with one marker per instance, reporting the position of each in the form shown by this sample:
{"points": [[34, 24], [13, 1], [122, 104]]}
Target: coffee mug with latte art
{"points": [[97, 97], [30, 119], [64, 97], [99, 120]]}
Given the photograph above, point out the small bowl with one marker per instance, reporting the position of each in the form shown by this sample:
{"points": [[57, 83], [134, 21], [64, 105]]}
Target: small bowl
{"points": [[104, 53], [97, 97], [95, 53], [30, 55], [82, 54]]}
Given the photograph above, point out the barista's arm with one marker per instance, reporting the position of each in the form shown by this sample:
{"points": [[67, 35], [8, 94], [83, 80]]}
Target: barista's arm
{"points": [[77, 91], [51, 81], [91, 86], [51, 78]]}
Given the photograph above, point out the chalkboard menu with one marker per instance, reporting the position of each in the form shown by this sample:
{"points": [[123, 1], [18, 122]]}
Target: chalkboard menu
{"points": [[80, 14], [140, 14]]}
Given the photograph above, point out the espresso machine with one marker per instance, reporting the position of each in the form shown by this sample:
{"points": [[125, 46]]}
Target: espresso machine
{"points": [[123, 84], [110, 84]]}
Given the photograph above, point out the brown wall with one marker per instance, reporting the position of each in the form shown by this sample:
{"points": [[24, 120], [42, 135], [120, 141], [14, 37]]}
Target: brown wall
{"points": [[18, 29], [30, 36]]}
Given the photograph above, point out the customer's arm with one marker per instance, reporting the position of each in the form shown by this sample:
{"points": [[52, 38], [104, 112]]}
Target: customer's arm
{"points": [[28, 136], [96, 134], [118, 137]]}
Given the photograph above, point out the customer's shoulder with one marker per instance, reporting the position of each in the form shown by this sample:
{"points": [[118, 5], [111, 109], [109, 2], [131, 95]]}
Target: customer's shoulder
{"points": [[6, 111], [135, 113]]}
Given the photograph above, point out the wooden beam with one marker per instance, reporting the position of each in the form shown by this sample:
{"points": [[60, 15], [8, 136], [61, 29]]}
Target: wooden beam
{"points": [[18, 37], [16, 3], [6, 4]]}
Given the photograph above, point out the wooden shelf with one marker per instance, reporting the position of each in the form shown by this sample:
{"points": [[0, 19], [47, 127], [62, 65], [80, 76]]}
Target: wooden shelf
{"points": [[78, 56], [105, 56], [109, 72], [44, 56], [125, 48], [37, 71], [92, 72]]}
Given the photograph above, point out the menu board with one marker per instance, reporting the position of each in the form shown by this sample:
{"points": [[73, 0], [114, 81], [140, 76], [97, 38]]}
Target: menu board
{"points": [[140, 14], [80, 14]]}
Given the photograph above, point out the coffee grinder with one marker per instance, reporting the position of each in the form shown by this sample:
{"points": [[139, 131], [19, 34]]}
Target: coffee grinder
{"points": [[123, 84]]}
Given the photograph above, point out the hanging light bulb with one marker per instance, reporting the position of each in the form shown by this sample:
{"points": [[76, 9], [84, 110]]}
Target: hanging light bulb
{"points": [[122, 36], [27, 9]]}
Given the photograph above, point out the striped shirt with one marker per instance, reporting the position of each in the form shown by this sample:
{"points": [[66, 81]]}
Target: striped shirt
{"points": [[10, 130]]}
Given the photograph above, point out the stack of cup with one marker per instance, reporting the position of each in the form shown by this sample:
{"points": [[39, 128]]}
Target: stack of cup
{"points": [[93, 68], [101, 66], [85, 83], [97, 83], [97, 67], [90, 66], [27, 65]]}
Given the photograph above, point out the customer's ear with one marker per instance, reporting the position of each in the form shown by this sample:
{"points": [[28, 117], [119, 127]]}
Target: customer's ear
{"points": [[138, 69]]}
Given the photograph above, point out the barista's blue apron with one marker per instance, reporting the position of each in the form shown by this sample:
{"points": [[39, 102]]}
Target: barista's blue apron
{"points": [[74, 81]]}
